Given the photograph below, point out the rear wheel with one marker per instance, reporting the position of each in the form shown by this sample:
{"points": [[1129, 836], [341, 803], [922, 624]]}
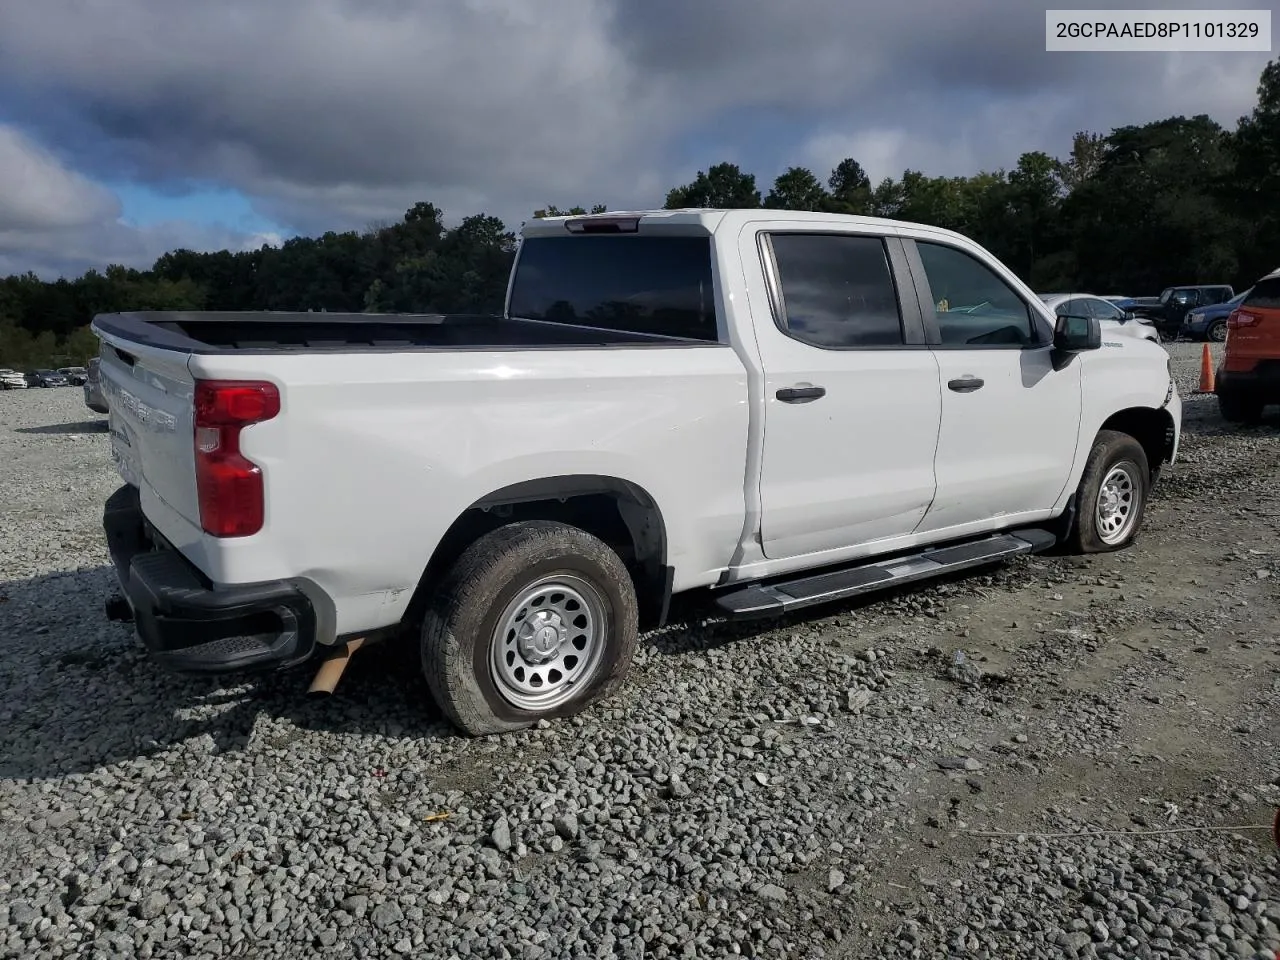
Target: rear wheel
{"points": [[1112, 496], [536, 620], [1238, 407]]}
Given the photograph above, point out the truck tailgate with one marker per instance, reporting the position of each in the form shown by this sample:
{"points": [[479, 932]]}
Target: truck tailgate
{"points": [[150, 395]]}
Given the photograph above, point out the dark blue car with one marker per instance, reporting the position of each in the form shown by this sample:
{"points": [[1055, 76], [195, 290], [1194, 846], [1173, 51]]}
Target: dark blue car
{"points": [[1210, 322]]}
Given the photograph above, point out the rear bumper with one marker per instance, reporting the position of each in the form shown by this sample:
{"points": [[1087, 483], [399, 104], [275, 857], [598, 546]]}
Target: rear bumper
{"points": [[1262, 381], [191, 626]]}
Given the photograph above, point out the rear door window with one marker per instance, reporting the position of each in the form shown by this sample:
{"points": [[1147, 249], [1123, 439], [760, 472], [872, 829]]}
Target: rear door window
{"points": [[656, 285], [837, 291]]}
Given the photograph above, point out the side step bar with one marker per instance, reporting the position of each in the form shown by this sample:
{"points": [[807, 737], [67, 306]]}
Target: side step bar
{"points": [[767, 600]]}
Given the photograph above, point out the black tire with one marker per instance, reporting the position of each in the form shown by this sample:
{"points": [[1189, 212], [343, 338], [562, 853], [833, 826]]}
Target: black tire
{"points": [[1217, 331], [1237, 407], [460, 625], [1112, 450]]}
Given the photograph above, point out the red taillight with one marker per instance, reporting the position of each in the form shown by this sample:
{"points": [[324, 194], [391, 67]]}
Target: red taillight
{"points": [[1238, 319], [229, 486]]}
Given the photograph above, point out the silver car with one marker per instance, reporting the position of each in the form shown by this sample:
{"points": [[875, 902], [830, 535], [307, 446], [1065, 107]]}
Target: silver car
{"points": [[12, 379], [1108, 314]]}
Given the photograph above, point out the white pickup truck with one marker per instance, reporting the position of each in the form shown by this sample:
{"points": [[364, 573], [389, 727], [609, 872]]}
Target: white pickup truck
{"points": [[775, 408]]}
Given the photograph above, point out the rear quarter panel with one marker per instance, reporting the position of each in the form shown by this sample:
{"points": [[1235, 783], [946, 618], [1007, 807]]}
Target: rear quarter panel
{"points": [[373, 456], [1246, 347]]}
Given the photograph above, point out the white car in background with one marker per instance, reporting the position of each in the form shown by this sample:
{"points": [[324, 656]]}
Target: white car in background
{"points": [[1110, 317], [12, 379]]}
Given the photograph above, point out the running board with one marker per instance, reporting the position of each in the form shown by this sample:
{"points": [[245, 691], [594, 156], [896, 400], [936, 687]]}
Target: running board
{"points": [[766, 600]]}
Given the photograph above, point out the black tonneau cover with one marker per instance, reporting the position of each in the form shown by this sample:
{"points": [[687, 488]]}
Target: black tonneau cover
{"points": [[210, 332]]}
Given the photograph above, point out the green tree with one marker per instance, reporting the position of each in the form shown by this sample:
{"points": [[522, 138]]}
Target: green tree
{"points": [[79, 346], [722, 186], [887, 198], [1251, 194], [554, 211], [1033, 200], [850, 189], [797, 189], [1087, 152], [1150, 216]]}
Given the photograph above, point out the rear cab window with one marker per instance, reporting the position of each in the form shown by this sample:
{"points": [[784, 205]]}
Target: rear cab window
{"points": [[657, 284], [1265, 295]]}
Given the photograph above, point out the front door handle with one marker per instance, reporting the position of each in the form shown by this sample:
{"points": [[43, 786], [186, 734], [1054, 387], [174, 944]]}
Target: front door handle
{"points": [[965, 384], [800, 394]]}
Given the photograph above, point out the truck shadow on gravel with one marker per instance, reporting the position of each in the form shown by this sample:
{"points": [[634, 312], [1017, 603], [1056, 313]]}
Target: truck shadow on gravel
{"points": [[1201, 417], [82, 426], [78, 693]]}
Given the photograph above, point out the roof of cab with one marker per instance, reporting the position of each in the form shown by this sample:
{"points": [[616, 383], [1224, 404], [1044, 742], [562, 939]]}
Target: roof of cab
{"points": [[709, 219], [690, 217]]}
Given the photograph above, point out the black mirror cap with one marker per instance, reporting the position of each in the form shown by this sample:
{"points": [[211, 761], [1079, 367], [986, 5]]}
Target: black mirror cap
{"points": [[1074, 334]]}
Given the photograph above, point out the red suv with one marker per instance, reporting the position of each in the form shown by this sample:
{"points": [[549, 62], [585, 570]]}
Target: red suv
{"points": [[1249, 377]]}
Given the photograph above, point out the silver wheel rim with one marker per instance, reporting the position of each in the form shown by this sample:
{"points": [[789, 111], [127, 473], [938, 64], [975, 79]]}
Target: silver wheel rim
{"points": [[1119, 503], [548, 642], [1218, 331]]}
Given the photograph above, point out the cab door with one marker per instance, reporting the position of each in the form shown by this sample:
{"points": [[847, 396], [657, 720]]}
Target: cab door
{"points": [[1007, 437], [852, 402]]}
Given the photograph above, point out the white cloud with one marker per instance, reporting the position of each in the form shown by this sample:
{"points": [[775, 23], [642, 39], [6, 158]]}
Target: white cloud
{"points": [[354, 109], [38, 192], [57, 222], [880, 151]]}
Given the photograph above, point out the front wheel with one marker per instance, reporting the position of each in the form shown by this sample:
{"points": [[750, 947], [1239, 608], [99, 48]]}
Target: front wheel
{"points": [[1112, 496], [536, 620], [1217, 331]]}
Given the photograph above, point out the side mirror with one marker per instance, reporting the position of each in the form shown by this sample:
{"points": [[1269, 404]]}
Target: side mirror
{"points": [[1129, 315], [1072, 335]]}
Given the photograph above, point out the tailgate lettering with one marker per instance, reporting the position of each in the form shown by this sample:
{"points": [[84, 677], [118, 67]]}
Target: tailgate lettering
{"points": [[144, 413]]}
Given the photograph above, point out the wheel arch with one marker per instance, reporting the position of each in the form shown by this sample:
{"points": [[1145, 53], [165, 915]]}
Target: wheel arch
{"points": [[1153, 428], [620, 512]]}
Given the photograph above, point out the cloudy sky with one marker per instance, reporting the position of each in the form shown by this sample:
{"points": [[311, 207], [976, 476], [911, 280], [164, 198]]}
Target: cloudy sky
{"points": [[129, 127]]}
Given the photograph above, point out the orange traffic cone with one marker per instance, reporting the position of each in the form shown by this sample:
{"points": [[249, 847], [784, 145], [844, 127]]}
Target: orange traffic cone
{"points": [[1206, 371]]}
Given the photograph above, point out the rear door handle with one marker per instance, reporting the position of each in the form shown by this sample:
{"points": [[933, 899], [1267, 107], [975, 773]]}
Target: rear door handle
{"points": [[800, 394], [965, 384]]}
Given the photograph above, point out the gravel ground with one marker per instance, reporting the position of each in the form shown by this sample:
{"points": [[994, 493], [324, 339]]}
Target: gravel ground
{"points": [[1001, 765]]}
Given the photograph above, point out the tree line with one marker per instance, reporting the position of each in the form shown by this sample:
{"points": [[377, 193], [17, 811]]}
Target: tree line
{"points": [[1179, 200]]}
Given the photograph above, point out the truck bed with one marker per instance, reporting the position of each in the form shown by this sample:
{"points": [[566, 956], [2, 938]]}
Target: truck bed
{"points": [[209, 332]]}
